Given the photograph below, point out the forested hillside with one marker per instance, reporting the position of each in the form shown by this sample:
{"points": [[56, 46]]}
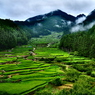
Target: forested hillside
{"points": [[82, 42], [11, 35]]}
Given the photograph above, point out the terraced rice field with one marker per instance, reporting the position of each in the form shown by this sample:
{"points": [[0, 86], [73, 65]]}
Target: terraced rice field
{"points": [[21, 76], [21, 73]]}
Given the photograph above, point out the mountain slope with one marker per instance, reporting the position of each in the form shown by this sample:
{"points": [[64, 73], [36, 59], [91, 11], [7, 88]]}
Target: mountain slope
{"points": [[90, 18], [81, 42], [53, 13], [11, 35], [55, 21]]}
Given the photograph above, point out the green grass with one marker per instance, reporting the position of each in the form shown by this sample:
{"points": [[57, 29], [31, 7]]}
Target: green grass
{"points": [[17, 88], [28, 75], [32, 80], [53, 38], [4, 59]]}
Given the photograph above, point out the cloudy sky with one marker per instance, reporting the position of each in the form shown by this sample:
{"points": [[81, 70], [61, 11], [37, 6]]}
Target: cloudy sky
{"points": [[23, 9]]}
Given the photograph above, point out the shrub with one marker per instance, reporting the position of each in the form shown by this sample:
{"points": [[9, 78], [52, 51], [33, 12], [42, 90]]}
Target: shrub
{"points": [[64, 92], [62, 66], [93, 73], [79, 67], [4, 93], [61, 59], [41, 59], [81, 87], [47, 60], [57, 82], [89, 72], [72, 75], [74, 53]]}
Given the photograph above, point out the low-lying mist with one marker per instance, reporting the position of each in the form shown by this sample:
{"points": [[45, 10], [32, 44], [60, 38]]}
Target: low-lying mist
{"points": [[81, 27]]}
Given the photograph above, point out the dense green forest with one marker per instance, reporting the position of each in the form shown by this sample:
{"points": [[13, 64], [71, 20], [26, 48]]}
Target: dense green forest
{"points": [[12, 35], [82, 43]]}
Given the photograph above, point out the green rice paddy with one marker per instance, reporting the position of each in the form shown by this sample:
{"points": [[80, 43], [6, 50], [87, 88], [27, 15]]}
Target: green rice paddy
{"points": [[19, 75]]}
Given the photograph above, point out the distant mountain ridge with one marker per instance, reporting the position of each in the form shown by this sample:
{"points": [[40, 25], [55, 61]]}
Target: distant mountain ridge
{"points": [[80, 15], [55, 21], [53, 13], [90, 18]]}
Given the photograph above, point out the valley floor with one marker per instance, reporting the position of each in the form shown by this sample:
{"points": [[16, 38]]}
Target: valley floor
{"points": [[44, 70]]}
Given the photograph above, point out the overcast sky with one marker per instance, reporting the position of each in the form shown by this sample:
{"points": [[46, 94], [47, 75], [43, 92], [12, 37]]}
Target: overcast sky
{"points": [[23, 9]]}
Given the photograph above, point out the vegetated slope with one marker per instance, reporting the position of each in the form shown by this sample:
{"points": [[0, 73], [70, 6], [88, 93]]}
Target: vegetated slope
{"points": [[55, 21], [11, 35], [82, 42], [51, 40]]}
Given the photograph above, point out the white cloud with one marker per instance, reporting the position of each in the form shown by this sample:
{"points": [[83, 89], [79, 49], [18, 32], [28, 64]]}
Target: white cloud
{"points": [[23, 9], [80, 20], [81, 27], [57, 26]]}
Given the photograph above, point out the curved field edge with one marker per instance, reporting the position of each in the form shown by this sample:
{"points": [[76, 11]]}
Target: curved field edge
{"points": [[21, 88], [32, 74], [33, 89]]}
